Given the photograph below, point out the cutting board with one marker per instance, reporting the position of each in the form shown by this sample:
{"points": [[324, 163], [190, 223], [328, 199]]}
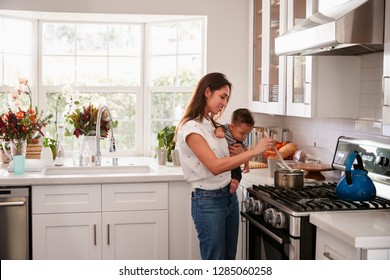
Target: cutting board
{"points": [[313, 171], [312, 167]]}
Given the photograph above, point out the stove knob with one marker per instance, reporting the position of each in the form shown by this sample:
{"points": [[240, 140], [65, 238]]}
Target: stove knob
{"points": [[269, 214], [258, 207], [278, 220], [382, 161], [249, 204]]}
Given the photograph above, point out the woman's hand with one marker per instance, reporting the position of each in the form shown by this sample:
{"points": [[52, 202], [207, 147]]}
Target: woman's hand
{"points": [[236, 149], [264, 144]]}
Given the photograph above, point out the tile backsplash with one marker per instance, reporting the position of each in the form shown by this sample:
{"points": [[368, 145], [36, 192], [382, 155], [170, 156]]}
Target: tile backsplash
{"points": [[324, 132]]}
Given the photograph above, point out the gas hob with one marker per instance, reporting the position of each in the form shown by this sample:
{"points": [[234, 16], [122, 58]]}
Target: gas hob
{"points": [[317, 197]]}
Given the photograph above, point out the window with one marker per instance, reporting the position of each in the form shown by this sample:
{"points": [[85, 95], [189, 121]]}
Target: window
{"points": [[101, 61], [144, 72], [15, 54], [176, 64]]}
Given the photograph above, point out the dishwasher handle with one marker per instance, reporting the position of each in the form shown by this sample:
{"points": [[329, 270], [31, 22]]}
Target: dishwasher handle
{"points": [[12, 203]]}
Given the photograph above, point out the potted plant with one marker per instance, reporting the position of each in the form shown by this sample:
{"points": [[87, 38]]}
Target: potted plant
{"points": [[165, 138], [51, 143]]}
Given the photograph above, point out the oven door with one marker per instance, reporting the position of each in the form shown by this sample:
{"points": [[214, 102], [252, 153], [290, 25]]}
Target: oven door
{"points": [[264, 242]]}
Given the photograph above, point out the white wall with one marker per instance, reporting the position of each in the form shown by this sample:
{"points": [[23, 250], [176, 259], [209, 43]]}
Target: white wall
{"points": [[227, 33]]}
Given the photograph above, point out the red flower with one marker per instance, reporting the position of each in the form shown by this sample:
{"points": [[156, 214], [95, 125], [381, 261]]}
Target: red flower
{"points": [[20, 115]]}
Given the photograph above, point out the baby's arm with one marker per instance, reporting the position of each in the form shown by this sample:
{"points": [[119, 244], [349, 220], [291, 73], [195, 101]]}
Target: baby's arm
{"points": [[220, 132]]}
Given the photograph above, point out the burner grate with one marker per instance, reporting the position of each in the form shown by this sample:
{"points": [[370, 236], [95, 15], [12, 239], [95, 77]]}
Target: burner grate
{"points": [[321, 197]]}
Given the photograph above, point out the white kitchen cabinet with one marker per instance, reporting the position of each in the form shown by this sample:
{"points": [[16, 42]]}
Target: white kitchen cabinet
{"points": [[135, 221], [76, 222], [183, 240], [135, 235], [386, 76], [302, 86], [66, 222], [329, 247], [69, 236], [269, 70]]}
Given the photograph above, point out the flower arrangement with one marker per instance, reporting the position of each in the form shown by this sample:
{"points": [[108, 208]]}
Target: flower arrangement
{"points": [[84, 122], [22, 124]]}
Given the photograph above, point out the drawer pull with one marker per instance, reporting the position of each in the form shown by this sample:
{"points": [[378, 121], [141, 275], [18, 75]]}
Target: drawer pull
{"points": [[94, 235], [328, 256], [108, 234]]}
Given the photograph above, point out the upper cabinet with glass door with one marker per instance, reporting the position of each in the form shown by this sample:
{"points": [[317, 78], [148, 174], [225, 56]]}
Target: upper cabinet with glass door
{"points": [[320, 86], [268, 69], [298, 97]]}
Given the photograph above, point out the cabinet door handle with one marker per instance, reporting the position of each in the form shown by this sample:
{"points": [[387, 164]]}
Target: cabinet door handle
{"points": [[263, 97], [306, 100], [94, 235], [108, 234], [386, 103], [328, 256]]}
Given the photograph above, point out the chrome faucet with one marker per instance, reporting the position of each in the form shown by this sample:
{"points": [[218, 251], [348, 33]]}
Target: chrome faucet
{"points": [[98, 160]]}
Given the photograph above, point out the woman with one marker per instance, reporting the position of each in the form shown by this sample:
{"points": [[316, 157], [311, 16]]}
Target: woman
{"points": [[206, 165]]}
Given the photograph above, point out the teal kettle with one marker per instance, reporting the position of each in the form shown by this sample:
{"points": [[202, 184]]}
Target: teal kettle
{"points": [[355, 185]]}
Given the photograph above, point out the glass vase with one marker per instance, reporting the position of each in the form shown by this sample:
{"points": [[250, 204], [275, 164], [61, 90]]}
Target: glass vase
{"points": [[18, 147]]}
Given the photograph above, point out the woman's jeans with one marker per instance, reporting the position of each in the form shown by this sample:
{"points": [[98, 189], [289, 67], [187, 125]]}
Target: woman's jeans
{"points": [[216, 217]]}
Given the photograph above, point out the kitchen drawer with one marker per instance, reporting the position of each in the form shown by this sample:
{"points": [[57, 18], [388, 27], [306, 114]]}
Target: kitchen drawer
{"points": [[135, 196], [329, 247], [66, 199]]}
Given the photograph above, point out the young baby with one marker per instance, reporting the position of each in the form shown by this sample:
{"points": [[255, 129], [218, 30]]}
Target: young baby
{"points": [[237, 131]]}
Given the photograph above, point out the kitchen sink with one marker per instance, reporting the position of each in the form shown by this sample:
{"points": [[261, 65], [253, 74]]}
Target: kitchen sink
{"points": [[96, 170]]}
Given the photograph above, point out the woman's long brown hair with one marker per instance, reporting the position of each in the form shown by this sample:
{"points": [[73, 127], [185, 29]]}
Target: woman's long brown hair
{"points": [[197, 104]]}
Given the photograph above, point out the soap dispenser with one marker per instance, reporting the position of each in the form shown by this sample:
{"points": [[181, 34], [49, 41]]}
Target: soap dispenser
{"points": [[87, 156]]}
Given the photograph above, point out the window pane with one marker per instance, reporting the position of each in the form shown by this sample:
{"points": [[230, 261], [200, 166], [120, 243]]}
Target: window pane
{"points": [[16, 66], [189, 70], [162, 104], [22, 42], [125, 40], [166, 109], [15, 50], [190, 37], [92, 39], [163, 39], [163, 70], [125, 71], [92, 71], [58, 38], [58, 70]]}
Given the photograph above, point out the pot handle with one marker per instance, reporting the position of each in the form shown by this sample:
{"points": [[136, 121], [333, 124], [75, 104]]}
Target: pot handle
{"points": [[350, 160]]}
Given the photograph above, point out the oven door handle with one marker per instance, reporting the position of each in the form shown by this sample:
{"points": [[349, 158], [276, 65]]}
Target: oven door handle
{"points": [[281, 240]]}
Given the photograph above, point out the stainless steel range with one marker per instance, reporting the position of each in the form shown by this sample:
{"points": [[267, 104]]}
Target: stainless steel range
{"points": [[277, 220]]}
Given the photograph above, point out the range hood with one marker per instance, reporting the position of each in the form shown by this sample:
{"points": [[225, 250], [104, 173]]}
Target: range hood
{"points": [[352, 28]]}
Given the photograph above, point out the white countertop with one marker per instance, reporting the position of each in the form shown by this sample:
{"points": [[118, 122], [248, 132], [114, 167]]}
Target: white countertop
{"points": [[160, 173], [367, 229]]}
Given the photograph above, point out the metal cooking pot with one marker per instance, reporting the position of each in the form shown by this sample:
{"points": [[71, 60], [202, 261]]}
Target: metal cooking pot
{"points": [[286, 179]]}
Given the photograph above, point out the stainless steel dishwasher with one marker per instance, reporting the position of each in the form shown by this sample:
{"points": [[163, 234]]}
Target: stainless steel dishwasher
{"points": [[15, 229]]}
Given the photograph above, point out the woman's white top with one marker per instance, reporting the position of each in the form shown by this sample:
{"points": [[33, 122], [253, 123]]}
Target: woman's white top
{"points": [[193, 169]]}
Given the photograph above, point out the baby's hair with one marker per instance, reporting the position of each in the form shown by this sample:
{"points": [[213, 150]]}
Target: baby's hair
{"points": [[243, 115]]}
